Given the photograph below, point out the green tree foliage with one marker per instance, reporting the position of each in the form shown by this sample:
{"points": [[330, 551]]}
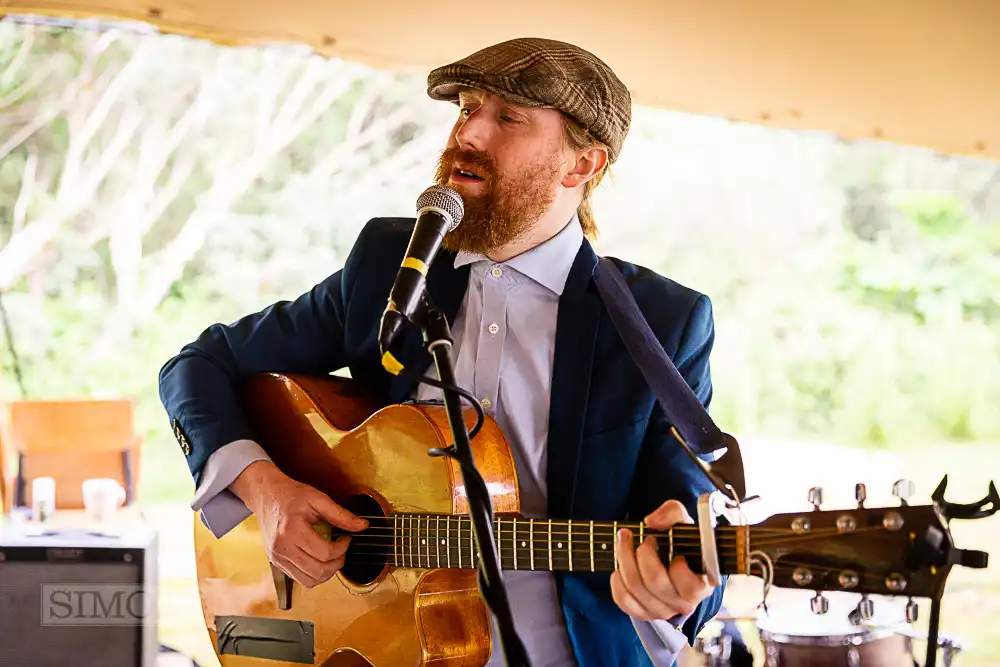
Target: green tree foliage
{"points": [[152, 185]]}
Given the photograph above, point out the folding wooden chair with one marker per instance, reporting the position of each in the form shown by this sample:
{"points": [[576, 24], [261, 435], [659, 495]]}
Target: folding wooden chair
{"points": [[71, 441]]}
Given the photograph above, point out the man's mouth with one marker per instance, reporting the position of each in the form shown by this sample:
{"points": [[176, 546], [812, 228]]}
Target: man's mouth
{"points": [[465, 176]]}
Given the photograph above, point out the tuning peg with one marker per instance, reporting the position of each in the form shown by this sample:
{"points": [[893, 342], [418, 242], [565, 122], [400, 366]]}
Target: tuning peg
{"points": [[860, 494], [911, 611], [816, 497], [903, 489], [866, 608], [819, 604]]}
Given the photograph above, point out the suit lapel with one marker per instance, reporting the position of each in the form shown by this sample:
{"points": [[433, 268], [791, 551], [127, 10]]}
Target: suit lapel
{"points": [[446, 287], [576, 336]]}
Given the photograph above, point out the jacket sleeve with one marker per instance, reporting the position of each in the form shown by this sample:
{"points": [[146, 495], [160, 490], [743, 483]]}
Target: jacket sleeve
{"points": [[199, 387], [662, 458]]}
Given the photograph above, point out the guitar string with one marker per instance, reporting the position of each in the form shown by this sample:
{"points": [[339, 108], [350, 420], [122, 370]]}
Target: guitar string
{"points": [[507, 520], [578, 558], [775, 536], [507, 538], [386, 525], [603, 562]]}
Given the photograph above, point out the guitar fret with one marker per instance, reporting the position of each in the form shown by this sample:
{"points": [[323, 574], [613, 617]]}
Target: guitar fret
{"points": [[500, 541], [615, 541], [427, 539], [515, 542], [641, 526], [569, 543], [592, 545], [531, 541], [437, 539], [472, 545], [395, 540], [670, 554], [550, 544], [421, 541], [447, 537]]}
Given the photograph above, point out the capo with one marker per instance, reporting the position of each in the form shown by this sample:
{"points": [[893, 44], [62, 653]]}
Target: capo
{"points": [[706, 528]]}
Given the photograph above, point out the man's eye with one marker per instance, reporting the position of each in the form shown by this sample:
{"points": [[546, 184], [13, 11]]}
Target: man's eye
{"points": [[508, 119]]}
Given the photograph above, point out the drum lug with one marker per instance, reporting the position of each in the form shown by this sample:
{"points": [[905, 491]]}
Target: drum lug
{"points": [[819, 605], [912, 611]]}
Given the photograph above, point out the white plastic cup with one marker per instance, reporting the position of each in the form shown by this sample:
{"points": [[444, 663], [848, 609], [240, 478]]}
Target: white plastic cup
{"points": [[43, 498], [102, 496]]}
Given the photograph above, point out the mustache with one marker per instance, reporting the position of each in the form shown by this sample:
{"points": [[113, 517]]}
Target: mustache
{"points": [[482, 162]]}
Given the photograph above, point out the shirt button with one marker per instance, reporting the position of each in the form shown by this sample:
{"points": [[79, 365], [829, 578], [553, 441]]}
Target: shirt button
{"points": [[494, 328], [497, 272], [486, 403]]}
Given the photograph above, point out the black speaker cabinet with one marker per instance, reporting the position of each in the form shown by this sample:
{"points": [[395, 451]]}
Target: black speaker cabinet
{"points": [[77, 598]]}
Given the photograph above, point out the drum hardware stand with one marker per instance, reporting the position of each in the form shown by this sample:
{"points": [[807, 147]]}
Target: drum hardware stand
{"points": [[934, 549]]}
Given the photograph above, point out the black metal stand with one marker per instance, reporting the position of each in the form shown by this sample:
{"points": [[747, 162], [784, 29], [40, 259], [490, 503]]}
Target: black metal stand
{"points": [[437, 336], [932, 635]]}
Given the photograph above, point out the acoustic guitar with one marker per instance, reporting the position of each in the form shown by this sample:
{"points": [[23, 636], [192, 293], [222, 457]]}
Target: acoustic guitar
{"points": [[408, 592]]}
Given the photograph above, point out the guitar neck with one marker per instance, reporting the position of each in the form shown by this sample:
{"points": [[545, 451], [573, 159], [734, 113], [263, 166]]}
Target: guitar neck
{"points": [[442, 541]]}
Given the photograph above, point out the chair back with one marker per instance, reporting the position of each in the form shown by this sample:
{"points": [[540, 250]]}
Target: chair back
{"points": [[71, 441]]}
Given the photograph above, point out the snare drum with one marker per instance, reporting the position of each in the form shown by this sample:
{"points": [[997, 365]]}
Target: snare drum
{"points": [[795, 637]]}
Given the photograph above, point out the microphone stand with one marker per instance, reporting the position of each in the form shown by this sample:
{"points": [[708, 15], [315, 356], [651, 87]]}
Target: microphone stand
{"points": [[438, 339]]}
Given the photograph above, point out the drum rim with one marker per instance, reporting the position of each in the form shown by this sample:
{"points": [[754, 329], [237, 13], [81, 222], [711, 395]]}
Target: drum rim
{"points": [[853, 639]]}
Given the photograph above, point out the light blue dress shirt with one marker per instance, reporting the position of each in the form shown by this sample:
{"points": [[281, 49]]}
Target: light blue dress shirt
{"points": [[504, 345]]}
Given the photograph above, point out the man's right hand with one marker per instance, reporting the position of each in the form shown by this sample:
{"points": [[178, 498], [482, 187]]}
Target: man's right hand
{"points": [[287, 510]]}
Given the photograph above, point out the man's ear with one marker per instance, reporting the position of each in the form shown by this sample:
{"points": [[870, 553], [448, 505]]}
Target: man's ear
{"points": [[589, 163]]}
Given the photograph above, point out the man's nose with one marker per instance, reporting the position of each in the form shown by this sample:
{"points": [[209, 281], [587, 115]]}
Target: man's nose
{"points": [[473, 132]]}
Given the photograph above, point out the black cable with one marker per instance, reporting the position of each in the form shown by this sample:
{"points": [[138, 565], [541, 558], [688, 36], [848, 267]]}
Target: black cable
{"points": [[467, 395]]}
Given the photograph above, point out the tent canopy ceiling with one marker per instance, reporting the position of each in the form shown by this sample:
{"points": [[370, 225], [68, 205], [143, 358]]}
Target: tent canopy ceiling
{"points": [[920, 72]]}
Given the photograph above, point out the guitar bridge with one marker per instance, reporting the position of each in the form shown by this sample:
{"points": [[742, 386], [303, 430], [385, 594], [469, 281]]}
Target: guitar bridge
{"points": [[282, 588]]}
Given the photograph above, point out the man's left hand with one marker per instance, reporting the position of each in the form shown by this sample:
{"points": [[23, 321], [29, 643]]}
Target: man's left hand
{"points": [[642, 586]]}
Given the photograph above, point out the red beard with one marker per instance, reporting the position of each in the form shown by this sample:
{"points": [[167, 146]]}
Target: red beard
{"points": [[509, 207]]}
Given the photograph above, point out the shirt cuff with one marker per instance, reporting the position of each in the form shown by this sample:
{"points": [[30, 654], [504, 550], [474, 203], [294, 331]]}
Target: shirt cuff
{"points": [[221, 509], [662, 640]]}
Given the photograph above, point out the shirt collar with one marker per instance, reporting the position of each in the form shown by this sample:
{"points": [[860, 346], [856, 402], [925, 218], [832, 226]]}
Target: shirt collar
{"points": [[548, 263]]}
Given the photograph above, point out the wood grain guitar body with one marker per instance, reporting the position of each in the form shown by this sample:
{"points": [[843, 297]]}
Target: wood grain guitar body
{"points": [[321, 432]]}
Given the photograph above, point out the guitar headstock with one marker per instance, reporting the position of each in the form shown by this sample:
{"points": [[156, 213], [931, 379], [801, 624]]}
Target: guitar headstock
{"points": [[904, 551]]}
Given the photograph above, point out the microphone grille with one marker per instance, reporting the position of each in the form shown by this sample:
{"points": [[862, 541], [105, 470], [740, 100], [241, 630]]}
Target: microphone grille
{"points": [[444, 198]]}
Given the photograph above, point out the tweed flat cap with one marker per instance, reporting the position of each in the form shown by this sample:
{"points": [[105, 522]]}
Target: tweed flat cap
{"points": [[540, 72]]}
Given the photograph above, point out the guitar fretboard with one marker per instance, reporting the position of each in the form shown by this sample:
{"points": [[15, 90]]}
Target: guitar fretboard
{"points": [[432, 541]]}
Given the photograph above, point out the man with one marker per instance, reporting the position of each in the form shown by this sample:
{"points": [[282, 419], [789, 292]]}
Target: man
{"points": [[539, 123]]}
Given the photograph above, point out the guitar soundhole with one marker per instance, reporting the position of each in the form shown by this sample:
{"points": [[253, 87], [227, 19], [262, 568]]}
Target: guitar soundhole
{"points": [[370, 549]]}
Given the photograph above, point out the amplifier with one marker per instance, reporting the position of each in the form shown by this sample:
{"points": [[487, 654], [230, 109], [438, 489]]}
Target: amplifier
{"points": [[80, 598]]}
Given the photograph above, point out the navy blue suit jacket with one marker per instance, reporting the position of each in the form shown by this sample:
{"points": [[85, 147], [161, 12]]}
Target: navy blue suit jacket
{"points": [[610, 455]]}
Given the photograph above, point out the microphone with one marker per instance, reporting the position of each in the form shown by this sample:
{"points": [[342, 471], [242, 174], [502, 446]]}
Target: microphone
{"points": [[439, 210]]}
